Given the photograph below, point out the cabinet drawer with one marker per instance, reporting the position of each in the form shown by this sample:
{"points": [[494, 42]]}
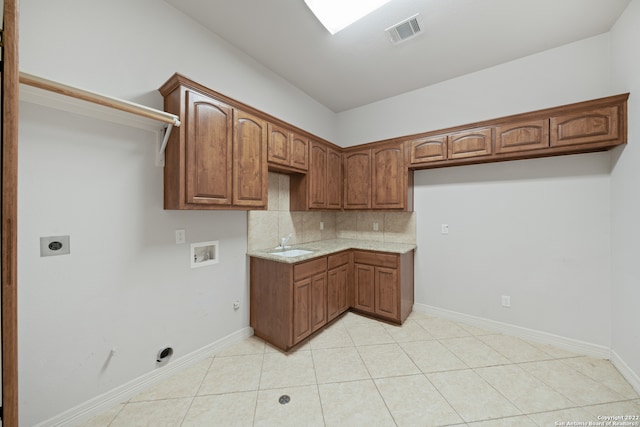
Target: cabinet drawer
{"points": [[375, 258], [336, 260], [309, 268]]}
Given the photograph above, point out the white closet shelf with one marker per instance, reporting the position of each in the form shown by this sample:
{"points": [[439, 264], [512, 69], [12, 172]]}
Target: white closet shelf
{"points": [[41, 91]]}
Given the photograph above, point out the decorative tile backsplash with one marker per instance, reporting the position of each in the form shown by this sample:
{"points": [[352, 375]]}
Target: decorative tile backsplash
{"points": [[266, 228]]}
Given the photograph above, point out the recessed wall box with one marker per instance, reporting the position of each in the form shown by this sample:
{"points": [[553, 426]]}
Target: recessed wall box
{"points": [[54, 245], [204, 253]]}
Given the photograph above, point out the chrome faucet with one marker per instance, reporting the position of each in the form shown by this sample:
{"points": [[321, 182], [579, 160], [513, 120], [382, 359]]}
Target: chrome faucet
{"points": [[284, 241]]}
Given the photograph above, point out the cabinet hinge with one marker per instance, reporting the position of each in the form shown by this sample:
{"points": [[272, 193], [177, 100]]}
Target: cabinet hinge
{"points": [[1, 413], [1, 37]]}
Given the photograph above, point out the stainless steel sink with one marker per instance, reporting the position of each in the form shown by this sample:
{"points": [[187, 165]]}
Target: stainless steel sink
{"points": [[290, 253]]}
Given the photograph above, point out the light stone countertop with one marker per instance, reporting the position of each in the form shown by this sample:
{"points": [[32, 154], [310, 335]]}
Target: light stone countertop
{"points": [[327, 247]]}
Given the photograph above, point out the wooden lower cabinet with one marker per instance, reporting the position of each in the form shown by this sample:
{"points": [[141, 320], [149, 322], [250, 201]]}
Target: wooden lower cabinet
{"points": [[383, 284], [364, 287], [289, 302], [309, 305], [386, 298], [338, 289]]}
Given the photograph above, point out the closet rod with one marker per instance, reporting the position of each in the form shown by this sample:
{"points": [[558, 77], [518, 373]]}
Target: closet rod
{"points": [[118, 104]]}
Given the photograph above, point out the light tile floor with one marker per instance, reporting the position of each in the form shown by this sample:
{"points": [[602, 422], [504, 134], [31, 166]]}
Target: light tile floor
{"points": [[361, 372]]}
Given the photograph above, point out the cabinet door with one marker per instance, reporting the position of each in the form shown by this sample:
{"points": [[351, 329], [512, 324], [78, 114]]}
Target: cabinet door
{"points": [[249, 161], [278, 150], [364, 285], [299, 152], [209, 128], [337, 292], [318, 301], [357, 182], [318, 176], [388, 177], [523, 136], [471, 143], [429, 149], [585, 127], [386, 292], [334, 179], [302, 293]]}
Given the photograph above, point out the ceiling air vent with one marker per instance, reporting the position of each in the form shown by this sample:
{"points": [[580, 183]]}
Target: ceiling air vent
{"points": [[405, 30]]}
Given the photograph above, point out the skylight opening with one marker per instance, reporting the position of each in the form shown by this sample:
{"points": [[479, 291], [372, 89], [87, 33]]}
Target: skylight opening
{"points": [[336, 15]]}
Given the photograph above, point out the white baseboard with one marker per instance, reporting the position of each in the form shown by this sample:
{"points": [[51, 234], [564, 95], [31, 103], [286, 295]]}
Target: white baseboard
{"points": [[99, 404], [626, 371], [569, 344]]}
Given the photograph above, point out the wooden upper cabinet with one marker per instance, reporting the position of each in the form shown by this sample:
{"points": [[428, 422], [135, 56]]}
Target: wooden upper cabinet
{"points": [[318, 176], [591, 126], [278, 150], [388, 176], [522, 136], [217, 159], [249, 161], [299, 152], [287, 149], [334, 179], [209, 129], [376, 178], [357, 179], [428, 149], [321, 186], [471, 143]]}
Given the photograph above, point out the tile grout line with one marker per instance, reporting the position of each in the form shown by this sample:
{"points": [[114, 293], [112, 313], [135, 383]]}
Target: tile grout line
{"points": [[255, 406], [315, 373], [193, 398], [116, 415]]}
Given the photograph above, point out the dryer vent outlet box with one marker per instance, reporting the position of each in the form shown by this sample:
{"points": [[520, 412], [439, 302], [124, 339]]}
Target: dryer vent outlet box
{"points": [[164, 354]]}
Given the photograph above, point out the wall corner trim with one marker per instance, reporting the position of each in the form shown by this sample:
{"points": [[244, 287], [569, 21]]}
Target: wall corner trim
{"points": [[98, 404], [626, 371]]}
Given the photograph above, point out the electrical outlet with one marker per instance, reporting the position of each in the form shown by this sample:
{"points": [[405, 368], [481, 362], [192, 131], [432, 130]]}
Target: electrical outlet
{"points": [[376, 226], [444, 228], [180, 237], [321, 225], [506, 301]]}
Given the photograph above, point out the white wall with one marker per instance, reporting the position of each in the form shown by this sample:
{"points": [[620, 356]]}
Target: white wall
{"points": [[536, 230], [625, 195], [128, 49], [126, 284], [571, 73]]}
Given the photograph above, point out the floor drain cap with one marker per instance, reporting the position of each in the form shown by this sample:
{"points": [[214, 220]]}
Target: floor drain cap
{"points": [[284, 399]]}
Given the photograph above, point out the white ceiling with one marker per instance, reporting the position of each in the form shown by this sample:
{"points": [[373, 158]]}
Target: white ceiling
{"points": [[359, 65]]}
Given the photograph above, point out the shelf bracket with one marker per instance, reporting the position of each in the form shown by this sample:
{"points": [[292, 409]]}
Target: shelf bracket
{"points": [[167, 134]]}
